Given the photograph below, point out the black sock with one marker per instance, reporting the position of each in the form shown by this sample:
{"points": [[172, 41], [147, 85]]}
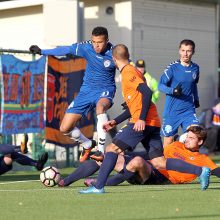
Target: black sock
{"points": [[182, 166], [22, 159], [119, 177], [86, 169], [106, 168]]}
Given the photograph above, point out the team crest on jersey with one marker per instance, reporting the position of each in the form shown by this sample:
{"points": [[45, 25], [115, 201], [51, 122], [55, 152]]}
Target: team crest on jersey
{"points": [[192, 158], [168, 128], [105, 94], [107, 63], [194, 75]]}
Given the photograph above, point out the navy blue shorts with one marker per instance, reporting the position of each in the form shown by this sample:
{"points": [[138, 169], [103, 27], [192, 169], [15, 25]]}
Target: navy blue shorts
{"points": [[127, 139], [4, 168], [171, 124], [87, 99]]}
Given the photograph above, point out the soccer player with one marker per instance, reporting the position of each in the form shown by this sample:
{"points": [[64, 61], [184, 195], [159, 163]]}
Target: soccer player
{"points": [[179, 83], [97, 91], [144, 127], [10, 154], [151, 81]]}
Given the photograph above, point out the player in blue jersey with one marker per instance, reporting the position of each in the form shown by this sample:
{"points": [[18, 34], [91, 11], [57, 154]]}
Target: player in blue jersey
{"points": [[11, 153], [179, 83], [97, 91]]}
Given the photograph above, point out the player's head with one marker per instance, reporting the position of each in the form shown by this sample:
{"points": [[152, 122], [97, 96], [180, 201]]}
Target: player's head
{"points": [[196, 135], [186, 50], [99, 39], [120, 54], [140, 65]]}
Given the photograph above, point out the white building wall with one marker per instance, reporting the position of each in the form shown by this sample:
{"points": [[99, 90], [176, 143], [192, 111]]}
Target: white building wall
{"points": [[46, 23]]}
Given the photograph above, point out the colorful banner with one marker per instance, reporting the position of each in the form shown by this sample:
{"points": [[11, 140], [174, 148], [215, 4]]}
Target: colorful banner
{"points": [[22, 95], [64, 79]]}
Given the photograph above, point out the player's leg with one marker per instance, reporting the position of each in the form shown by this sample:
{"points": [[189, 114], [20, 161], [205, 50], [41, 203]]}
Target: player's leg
{"points": [[27, 161], [181, 166], [127, 138], [85, 169], [103, 103], [137, 167], [5, 164], [169, 129], [76, 110]]}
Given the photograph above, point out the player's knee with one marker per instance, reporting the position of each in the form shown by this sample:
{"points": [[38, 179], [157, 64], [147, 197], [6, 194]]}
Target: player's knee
{"points": [[8, 159], [63, 129], [112, 148], [159, 163], [135, 163]]}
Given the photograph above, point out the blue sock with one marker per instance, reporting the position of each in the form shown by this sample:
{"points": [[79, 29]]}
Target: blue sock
{"points": [[182, 166], [119, 177], [86, 169], [106, 168], [22, 159]]}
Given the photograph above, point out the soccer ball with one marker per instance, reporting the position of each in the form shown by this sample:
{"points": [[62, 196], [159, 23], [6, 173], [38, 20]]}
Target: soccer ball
{"points": [[50, 176]]}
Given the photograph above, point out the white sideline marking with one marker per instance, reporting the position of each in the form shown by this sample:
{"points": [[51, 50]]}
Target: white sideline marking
{"points": [[110, 189], [21, 181]]}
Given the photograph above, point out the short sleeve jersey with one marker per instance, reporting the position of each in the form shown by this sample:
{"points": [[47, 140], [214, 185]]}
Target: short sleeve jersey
{"points": [[131, 78], [178, 150]]}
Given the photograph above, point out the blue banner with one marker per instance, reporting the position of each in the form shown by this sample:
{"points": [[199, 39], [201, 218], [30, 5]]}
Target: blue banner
{"points": [[22, 95]]}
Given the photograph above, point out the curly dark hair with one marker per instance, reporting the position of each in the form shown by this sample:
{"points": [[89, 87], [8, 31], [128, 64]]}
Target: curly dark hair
{"points": [[200, 132]]}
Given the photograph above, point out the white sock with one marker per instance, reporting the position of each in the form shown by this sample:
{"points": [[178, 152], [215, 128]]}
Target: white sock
{"points": [[76, 135], [101, 119]]}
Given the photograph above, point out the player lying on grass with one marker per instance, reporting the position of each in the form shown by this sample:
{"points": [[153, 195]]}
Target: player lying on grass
{"points": [[11, 153], [144, 172]]}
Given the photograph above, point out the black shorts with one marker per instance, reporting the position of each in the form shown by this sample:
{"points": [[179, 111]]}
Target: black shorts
{"points": [[127, 139]]}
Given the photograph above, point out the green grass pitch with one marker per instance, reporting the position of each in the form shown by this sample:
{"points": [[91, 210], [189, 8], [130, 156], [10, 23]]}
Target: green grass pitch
{"points": [[23, 196]]}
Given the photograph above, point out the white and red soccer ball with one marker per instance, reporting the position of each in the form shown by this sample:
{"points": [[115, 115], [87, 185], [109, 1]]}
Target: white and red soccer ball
{"points": [[50, 176]]}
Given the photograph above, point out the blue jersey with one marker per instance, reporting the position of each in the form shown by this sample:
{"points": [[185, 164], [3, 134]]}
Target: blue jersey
{"points": [[187, 77], [100, 68]]}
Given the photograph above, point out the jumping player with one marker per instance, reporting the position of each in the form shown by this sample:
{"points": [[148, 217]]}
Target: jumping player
{"points": [[97, 91], [144, 127], [179, 83]]}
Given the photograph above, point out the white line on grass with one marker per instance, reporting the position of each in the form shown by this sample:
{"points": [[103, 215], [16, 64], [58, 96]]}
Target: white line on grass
{"points": [[22, 181], [115, 189]]}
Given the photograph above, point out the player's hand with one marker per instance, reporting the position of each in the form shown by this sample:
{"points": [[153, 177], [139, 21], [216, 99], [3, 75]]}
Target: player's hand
{"points": [[177, 91], [35, 49], [196, 103], [124, 106], [139, 125], [109, 125]]}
